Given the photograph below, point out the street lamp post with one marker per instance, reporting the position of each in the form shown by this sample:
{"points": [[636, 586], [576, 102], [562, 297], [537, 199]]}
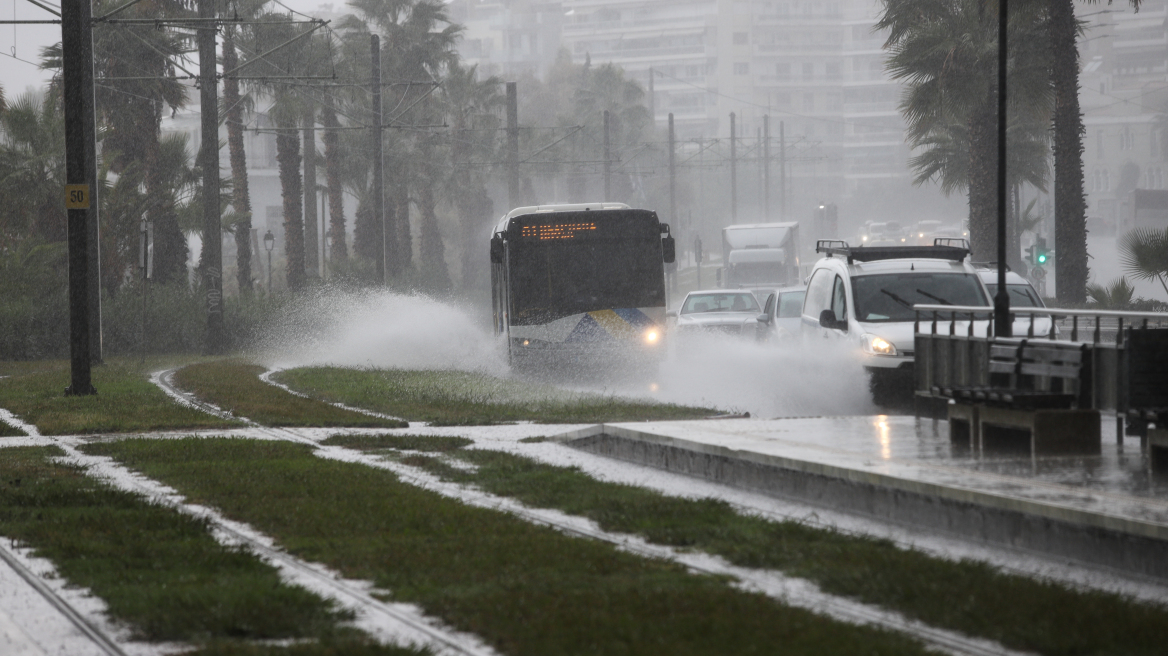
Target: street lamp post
{"points": [[269, 244]]}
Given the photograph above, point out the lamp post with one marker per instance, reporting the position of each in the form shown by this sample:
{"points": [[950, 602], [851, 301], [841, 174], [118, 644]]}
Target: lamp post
{"points": [[269, 244]]}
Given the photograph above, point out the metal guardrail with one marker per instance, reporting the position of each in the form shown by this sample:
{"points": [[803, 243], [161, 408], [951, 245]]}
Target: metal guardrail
{"points": [[953, 344]]}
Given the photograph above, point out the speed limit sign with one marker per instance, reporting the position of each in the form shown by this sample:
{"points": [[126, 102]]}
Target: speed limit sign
{"points": [[77, 197]]}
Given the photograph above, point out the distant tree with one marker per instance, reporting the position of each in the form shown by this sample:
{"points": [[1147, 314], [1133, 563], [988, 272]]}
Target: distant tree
{"points": [[32, 170], [946, 52], [1116, 296]]}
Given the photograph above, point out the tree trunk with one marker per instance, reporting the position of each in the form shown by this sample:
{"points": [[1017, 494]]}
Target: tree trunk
{"points": [[400, 201], [338, 250], [311, 245], [1070, 205], [983, 183], [170, 244], [240, 197], [432, 250], [288, 158]]}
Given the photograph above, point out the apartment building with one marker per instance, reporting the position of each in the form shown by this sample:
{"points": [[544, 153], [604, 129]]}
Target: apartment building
{"points": [[1124, 98]]}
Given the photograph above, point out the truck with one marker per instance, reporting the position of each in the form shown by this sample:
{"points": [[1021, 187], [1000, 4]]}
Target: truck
{"points": [[760, 255]]}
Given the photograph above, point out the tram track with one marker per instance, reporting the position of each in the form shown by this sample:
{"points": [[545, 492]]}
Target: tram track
{"points": [[790, 590]]}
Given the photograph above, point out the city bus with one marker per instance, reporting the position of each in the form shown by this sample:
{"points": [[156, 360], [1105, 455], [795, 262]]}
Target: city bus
{"points": [[581, 283]]}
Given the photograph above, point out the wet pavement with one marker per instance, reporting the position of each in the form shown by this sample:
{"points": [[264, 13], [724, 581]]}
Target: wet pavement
{"points": [[1115, 485]]}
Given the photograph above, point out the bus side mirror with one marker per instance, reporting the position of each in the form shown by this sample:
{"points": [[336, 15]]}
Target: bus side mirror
{"points": [[496, 250], [668, 250]]}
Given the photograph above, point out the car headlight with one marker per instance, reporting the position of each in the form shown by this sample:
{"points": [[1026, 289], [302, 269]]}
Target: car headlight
{"points": [[652, 336], [876, 345]]}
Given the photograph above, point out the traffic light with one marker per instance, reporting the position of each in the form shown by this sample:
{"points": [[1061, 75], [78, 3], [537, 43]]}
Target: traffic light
{"points": [[1030, 254], [1041, 255]]}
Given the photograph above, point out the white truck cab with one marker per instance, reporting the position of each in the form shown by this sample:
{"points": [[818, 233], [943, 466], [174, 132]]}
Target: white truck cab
{"points": [[865, 296]]}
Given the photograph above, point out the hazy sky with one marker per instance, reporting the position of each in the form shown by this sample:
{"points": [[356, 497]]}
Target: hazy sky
{"points": [[20, 45]]}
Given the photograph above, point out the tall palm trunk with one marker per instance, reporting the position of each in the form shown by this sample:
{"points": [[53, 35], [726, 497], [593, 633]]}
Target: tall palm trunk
{"points": [[288, 159], [1070, 205], [432, 251], [399, 220], [311, 246], [983, 182], [338, 250], [240, 197]]}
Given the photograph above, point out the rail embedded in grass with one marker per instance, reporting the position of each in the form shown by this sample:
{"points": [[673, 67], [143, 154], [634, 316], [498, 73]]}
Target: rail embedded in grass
{"points": [[159, 571], [525, 589], [235, 386], [967, 596], [461, 398], [126, 400], [429, 443]]}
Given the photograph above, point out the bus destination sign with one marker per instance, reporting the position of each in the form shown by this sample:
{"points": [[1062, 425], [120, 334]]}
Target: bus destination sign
{"points": [[565, 230]]}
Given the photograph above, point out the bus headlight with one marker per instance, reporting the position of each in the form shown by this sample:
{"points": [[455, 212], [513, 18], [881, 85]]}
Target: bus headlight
{"points": [[874, 345], [652, 336]]}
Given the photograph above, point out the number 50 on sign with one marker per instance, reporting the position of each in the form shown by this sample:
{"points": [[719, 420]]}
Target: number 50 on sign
{"points": [[76, 197]]}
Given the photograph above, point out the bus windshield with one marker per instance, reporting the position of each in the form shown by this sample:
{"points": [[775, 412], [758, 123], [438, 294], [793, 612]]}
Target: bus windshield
{"points": [[556, 278]]}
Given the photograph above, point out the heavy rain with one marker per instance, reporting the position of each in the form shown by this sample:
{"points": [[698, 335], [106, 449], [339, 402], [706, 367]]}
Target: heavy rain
{"points": [[583, 326]]}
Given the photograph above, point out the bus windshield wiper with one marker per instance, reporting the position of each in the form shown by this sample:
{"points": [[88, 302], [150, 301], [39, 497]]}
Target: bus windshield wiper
{"points": [[935, 298], [896, 298]]}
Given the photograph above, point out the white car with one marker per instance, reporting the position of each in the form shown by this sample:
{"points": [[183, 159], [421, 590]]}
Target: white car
{"points": [[721, 311], [866, 297], [780, 318], [1022, 294]]}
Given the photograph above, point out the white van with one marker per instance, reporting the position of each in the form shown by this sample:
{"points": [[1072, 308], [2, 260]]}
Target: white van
{"points": [[866, 295]]}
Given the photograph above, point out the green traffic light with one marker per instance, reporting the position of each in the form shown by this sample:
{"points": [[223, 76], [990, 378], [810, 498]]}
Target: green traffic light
{"points": [[1042, 258]]}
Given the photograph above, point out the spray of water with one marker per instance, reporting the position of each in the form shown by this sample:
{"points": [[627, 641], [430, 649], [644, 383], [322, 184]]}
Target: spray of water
{"points": [[383, 329]]}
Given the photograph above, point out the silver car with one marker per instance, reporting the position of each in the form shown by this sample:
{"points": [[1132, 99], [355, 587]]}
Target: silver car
{"points": [[719, 312], [780, 316]]}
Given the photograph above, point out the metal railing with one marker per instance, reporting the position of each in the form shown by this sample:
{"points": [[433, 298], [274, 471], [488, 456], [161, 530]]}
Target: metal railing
{"points": [[953, 345]]}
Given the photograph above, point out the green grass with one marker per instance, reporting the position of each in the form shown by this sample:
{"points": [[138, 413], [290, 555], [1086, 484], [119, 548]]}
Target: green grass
{"points": [[9, 431], [459, 398], [527, 590], [126, 400], [966, 596], [158, 570], [432, 443], [235, 386], [345, 644]]}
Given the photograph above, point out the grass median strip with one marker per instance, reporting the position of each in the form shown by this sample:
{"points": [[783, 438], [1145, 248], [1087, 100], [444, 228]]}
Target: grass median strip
{"points": [[158, 570], [966, 596], [461, 398], [527, 590], [126, 400], [235, 386], [431, 443]]}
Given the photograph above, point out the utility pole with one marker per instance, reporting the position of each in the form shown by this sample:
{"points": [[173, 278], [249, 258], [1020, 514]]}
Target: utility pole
{"points": [[212, 230], [672, 174], [652, 100], [378, 160], [93, 222], [782, 173], [77, 58], [758, 169], [1002, 324], [310, 244], [766, 166], [733, 173], [512, 145], [607, 162]]}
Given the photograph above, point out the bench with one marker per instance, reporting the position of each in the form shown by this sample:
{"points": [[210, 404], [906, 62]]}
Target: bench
{"points": [[1035, 387]]}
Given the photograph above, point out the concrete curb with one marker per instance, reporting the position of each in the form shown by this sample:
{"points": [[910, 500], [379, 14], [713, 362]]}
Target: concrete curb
{"points": [[1096, 538]]}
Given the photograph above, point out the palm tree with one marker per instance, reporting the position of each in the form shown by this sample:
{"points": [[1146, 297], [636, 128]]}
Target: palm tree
{"points": [[1117, 295], [417, 44], [286, 113], [946, 52], [32, 170], [233, 108], [1144, 253], [472, 107], [1070, 202]]}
